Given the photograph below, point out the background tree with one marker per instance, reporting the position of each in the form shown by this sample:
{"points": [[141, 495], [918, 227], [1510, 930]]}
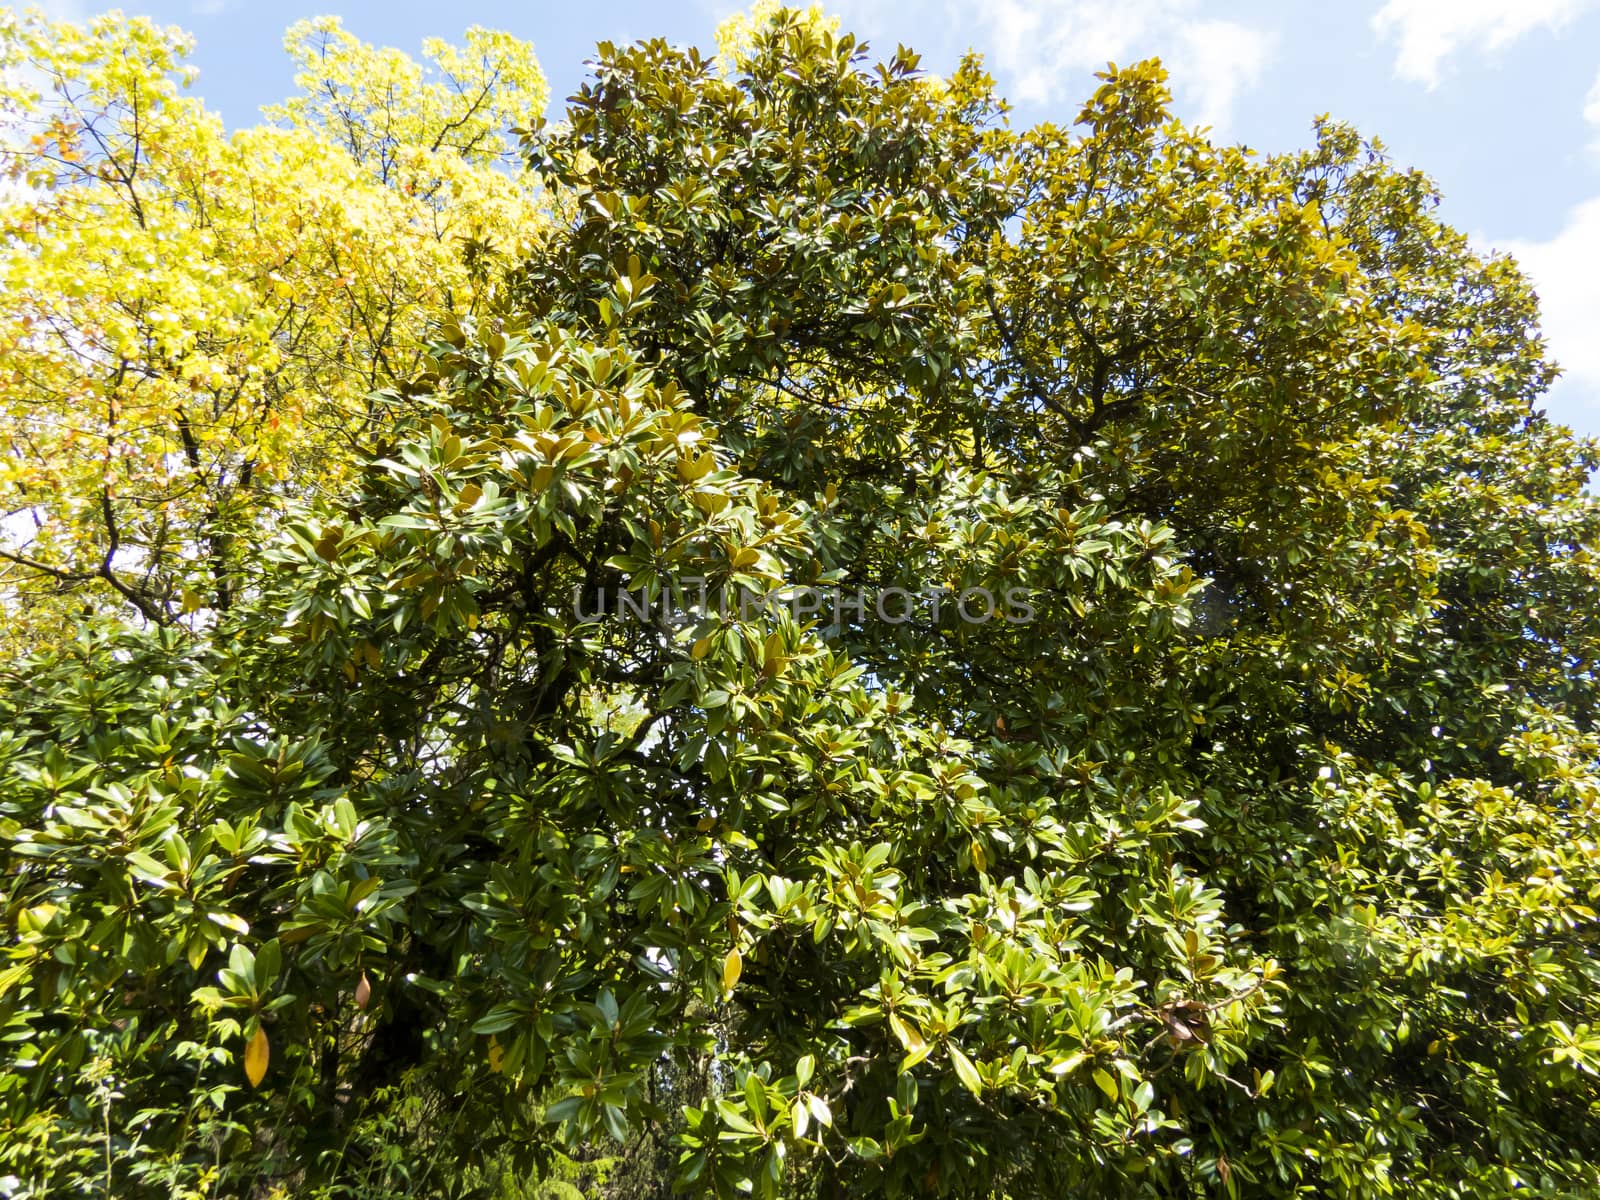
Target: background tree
{"points": [[196, 322], [1256, 858]]}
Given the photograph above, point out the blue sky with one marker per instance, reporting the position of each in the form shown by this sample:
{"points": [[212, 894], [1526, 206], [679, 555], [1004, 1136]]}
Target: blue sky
{"points": [[1498, 100]]}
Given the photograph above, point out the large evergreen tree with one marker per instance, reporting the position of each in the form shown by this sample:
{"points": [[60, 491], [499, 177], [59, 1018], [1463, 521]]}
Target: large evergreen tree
{"points": [[565, 782]]}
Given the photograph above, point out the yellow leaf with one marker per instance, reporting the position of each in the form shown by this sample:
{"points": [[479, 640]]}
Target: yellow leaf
{"points": [[496, 1055], [256, 1056], [732, 967], [691, 468]]}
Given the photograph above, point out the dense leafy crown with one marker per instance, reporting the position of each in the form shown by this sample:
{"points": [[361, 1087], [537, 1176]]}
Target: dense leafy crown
{"points": [[1255, 858], [195, 323]]}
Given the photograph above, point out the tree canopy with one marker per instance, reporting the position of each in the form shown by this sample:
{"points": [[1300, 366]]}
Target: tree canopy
{"points": [[195, 322], [554, 800]]}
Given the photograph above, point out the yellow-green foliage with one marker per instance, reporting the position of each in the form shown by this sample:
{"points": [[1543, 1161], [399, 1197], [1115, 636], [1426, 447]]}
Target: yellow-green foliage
{"points": [[195, 321]]}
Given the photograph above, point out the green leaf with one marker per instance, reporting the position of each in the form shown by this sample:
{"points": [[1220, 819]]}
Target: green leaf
{"points": [[965, 1070]]}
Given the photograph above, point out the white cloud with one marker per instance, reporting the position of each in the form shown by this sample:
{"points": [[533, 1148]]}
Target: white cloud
{"points": [[1430, 31], [1044, 52], [1563, 272], [1217, 60], [1041, 50], [1036, 45]]}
